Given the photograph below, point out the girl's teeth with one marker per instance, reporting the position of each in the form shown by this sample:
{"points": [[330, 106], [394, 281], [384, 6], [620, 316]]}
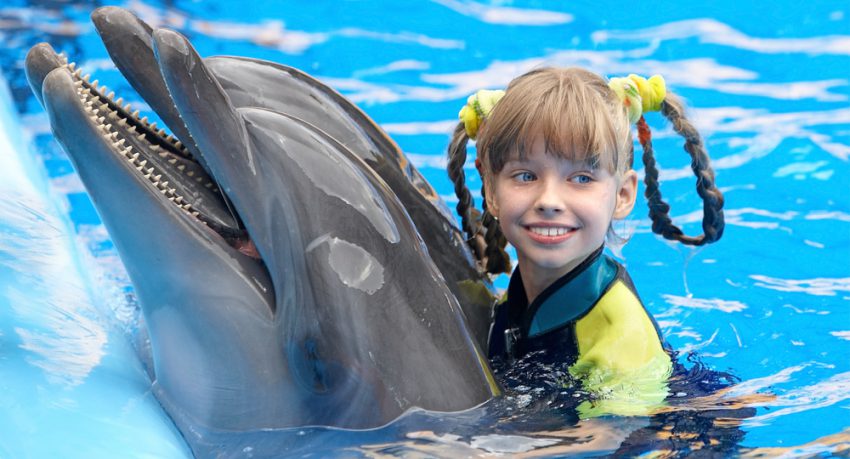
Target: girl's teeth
{"points": [[549, 231]]}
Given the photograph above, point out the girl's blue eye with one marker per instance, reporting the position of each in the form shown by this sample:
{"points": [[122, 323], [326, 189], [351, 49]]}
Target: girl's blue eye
{"points": [[582, 179], [524, 176]]}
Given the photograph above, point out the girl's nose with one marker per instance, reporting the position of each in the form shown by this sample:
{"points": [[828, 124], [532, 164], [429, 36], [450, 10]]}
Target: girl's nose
{"points": [[551, 199]]}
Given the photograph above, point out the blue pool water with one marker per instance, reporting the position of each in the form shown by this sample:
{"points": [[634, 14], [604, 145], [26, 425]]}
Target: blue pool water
{"points": [[768, 87]]}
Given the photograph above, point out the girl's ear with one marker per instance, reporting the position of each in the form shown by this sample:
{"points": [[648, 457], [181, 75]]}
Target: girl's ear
{"points": [[489, 196], [626, 195]]}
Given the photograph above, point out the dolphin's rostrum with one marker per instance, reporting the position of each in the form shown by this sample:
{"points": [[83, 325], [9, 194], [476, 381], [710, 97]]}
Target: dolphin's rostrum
{"points": [[273, 247]]}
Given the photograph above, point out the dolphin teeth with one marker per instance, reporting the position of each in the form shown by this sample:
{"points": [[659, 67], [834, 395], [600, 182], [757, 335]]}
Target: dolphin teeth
{"points": [[199, 179], [150, 169], [181, 167], [95, 83], [144, 161], [155, 148], [178, 144], [161, 132], [122, 122], [135, 156], [152, 125], [145, 120], [111, 95], [208, 185], [141, 136], [195, 214], [119, 102], [172, 160], [101, 120], [72, 66], [156, 178], [135, 113], [164, 183], [163, 154], [190, 173], [147, 176], [86, 78]]}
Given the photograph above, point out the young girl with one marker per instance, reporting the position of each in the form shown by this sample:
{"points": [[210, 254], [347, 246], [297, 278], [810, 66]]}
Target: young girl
{"points": [[555, 155]]}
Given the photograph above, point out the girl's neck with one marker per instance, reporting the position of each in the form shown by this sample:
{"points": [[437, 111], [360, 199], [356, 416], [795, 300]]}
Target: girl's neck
{"points": [[535, 279]]}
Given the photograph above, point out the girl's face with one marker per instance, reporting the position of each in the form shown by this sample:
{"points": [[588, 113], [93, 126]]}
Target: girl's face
{"points": [[555, 211]]}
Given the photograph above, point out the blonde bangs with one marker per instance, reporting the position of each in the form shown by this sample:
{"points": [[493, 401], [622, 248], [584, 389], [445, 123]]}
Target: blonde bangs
{"points": [[577, 115]]}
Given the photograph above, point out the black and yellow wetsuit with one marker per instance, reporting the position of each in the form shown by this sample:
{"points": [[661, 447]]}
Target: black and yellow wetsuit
{"points": [[591, 319]]}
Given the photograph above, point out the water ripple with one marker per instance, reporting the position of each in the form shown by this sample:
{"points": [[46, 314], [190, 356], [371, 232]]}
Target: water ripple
{"points": [[845, 335], [819, 395], [503, 15], [821, 286], [711, 304], [710, 31]]}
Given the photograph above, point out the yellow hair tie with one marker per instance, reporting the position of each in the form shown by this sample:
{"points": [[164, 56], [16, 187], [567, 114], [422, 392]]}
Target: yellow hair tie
{"points": [[478, 107], [639, 95]]}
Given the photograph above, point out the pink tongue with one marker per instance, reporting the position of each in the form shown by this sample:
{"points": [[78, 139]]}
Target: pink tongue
{"points": [[247, 247]]}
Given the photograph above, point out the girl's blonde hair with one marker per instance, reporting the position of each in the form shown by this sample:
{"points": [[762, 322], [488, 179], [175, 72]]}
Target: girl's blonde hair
{"points": [[579, 118], [577, 114]]}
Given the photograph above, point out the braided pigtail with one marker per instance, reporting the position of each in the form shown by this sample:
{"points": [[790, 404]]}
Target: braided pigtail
{"points": [[469, 215], [712, 220], [482, 230], [498, 260], [639, 96]]}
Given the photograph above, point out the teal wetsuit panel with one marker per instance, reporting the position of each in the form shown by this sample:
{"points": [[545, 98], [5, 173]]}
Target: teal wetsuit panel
{"points": [[569, 301]]}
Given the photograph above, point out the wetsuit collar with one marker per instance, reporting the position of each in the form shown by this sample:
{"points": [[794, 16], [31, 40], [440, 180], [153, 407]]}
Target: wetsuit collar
{"points": [[566, 300]]}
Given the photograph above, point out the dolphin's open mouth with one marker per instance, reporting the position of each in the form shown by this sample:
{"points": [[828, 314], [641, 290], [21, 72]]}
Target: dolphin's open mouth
{"points": [[159, 157]]}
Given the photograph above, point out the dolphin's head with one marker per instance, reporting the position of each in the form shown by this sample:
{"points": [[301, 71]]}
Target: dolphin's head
{"points": [[282, 281]]}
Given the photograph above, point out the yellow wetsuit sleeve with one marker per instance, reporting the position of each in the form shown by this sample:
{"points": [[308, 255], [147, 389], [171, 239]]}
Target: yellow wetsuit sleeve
{"points": [[621, 360]]}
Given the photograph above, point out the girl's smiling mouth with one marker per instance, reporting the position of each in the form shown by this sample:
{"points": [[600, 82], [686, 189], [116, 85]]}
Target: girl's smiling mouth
{"points": [[549, 233]]}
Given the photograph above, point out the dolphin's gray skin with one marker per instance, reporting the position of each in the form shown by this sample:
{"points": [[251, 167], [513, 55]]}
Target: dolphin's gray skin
{"points": [[263, 84], [312, 301]]}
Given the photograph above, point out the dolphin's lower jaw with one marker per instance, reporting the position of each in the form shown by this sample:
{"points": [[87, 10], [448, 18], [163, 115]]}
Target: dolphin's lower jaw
{"points": [[343, 322]]}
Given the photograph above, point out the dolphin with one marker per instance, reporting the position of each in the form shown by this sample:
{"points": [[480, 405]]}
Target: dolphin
{"points": [[262, 84], [282, 280]]}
